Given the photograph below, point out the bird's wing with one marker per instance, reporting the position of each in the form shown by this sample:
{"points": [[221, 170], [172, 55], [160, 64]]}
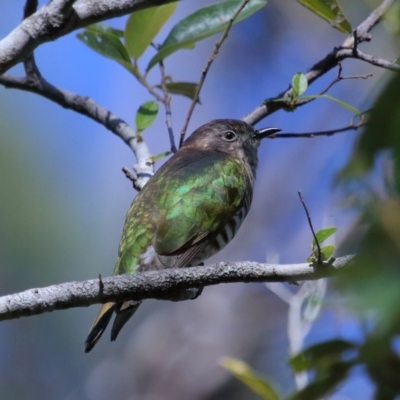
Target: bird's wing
{"points": [[203, 199], [181, 209]]}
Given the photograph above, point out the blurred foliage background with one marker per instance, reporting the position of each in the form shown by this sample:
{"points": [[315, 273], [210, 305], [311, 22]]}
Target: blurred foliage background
{"points": [[63, 199]]}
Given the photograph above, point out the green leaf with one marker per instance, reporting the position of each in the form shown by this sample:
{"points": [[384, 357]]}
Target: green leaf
{"points": [[106, 29], [107, 43], [372, 281], [334, 99], [187, 89], [241, 371], [299, 84], [330, 11], [341, 103], [321, 355], [203, 23], [382, 363], [327, 252], [322, 386], [323, 234], [146, 115], [143, 26]]}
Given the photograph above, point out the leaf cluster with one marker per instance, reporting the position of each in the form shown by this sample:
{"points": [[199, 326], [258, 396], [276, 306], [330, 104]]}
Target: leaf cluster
{"points": [[127, 46]]}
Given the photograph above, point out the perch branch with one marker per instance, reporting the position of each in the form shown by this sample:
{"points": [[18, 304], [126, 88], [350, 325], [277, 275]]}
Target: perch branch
{"points": [[160, 285]]}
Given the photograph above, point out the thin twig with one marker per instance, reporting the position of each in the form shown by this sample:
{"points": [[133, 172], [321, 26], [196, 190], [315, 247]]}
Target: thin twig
{"points": [[133, 178], [377, 61], [310, 135], [329, 62], [336, 80], [340, 78], [142, 79], [205, 71], [312, 228], [167, 105]]}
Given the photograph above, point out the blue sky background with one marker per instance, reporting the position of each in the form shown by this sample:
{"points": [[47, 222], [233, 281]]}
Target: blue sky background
{"points": [[63, 199]]}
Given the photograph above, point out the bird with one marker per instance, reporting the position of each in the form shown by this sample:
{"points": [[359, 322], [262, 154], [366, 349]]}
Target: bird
{"points": [[188, 211]]}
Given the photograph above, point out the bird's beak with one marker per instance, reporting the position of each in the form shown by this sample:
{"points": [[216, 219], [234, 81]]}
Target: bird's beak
{"points": [[265, 132]]}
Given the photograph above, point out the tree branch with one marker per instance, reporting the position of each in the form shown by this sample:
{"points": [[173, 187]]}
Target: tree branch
{"points": [[162, 285], [35, 83], [61, 10], [330, 61], [58, 18], [62, 16], [362, 31]]}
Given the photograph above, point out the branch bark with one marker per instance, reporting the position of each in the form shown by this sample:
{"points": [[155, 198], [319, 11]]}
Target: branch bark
{"points": [[58, 18], [144, 169], [348, 49], [162, 285]]}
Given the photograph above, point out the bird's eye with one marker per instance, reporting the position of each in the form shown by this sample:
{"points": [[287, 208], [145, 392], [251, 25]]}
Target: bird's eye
{"points": [[229, 136]]}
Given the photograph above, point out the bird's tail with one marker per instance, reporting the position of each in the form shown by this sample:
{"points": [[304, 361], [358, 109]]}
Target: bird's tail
{"points": [[124, 311], [99, 325]]}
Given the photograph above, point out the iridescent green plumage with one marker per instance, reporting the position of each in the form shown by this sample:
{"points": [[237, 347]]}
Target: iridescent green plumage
{"points": [[181, 207], [188, 211]]}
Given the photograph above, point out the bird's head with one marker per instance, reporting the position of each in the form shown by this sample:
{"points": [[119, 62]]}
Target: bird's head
{"points": [[228, 135]]}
